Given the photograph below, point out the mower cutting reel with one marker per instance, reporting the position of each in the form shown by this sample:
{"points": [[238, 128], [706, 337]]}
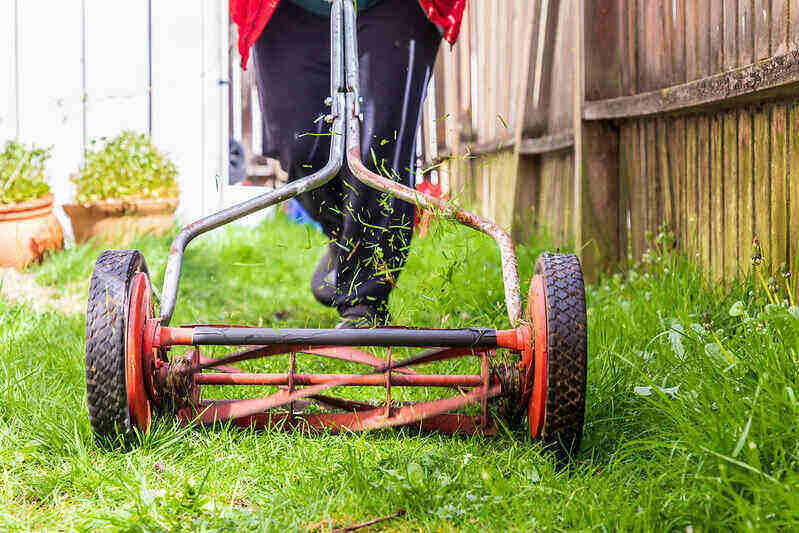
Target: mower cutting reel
{"points": [[541, 373]]}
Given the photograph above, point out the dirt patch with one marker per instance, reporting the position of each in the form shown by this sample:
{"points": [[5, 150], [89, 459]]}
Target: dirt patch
{"points": [[22, 287]]}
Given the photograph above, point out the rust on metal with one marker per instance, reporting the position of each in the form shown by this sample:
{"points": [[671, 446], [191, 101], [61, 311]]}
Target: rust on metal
{"points": [[510, 271], [346, 380], [347, 353], [429, 356], [166, 336]]}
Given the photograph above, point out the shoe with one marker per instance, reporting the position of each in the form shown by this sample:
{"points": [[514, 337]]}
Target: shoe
{"points": [[363, 316], [323, 280]]}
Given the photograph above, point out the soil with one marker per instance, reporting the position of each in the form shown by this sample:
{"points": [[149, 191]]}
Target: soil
{"points": [[22, 287]]}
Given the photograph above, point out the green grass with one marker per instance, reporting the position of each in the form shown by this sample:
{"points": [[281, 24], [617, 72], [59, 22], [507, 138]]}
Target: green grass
{"points": [[692, 420]]}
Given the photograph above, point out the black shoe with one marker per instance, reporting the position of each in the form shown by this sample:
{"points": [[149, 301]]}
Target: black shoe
{"points": [[363, 316], [323, 280]]}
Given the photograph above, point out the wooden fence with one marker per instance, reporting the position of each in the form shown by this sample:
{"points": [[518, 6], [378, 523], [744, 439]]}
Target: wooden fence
{"points": [[627, 116]]}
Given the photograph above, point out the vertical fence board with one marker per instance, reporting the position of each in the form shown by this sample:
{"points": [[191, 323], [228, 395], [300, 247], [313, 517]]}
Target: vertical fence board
{"points": [[8, 89], [691, 38], [761, 141], [666, 196], [678, 42], [793, 180], [746, 199], [731, 193], [793, 30], [704, 222], [779, 186], [717, 182], [746, 36], [637, 190], [762, 29], [716, 36], [625, 162], [675, 132], [780, 20], [703, 51], [630, 47], [730, 13], [691, 190]]}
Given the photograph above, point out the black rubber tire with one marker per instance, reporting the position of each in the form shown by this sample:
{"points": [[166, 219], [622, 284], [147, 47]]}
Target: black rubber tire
{"points": [[106, 323], [567, 352]]}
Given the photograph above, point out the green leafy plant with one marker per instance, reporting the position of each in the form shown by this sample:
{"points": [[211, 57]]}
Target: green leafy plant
{"points": [[22, 173], [128, 166]]}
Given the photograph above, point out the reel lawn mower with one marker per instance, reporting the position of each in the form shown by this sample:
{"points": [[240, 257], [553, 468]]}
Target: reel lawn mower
{"points": [[130, 374]]}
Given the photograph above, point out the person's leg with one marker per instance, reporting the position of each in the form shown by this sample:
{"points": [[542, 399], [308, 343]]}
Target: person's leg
{"points": [[292, 66], [397, 50]]}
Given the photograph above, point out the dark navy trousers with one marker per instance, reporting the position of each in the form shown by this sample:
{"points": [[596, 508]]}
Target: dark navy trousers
{"points": [[370, 232]]}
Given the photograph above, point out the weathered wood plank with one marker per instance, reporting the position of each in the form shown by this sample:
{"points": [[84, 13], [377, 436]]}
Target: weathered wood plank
{"points": [[716, 37], [548, 143], [761, 79], [762, 29], [654, 207], [629, 74], [731, 192], [528, 187], [793, 193], [678, 51], [730, 10], [665, 175], [762, 171], [793, 30], [717, 181], [703, 220], [655, 42], [637, 190], [691, 189], [692, 36], [703, 51], [747, 223], [780, 20], [779, 185], [625, 186], [676, 153], [746, 33]]}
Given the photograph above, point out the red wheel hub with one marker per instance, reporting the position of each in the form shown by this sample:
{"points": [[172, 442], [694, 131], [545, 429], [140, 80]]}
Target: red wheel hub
{"points": [[537, 310], [139, 312]]}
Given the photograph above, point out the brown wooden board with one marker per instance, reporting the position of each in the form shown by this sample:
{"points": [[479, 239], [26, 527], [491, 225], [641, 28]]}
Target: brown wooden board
{"points": [[717, 211], [654, 207], [793, 192], [691, 189], [746, 199], [780, 20], [703, 220], [762, 154], [678, 43], [716, 30], [637, 189], [665, 175], [629, 74], [625, 165], [779, 185], [793, 29], [691, 38], [730, 9], [702, 38], [676, 148], [731, 192], [746, 34], [762, 29]]}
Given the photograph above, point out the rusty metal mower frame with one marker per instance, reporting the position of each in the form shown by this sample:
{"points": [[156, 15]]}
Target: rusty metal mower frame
{"points": [[153, 381]]}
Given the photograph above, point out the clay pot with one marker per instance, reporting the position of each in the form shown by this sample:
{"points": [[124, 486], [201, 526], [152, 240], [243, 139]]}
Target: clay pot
{"points": [[27, 231], [121, 219]]}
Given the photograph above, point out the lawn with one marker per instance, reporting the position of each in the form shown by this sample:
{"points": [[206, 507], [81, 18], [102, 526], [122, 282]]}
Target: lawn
{"points": [[692, 420]]}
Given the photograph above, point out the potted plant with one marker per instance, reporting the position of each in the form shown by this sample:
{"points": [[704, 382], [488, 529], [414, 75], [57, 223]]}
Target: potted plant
{"points": [[125, 187], [28, 227]]}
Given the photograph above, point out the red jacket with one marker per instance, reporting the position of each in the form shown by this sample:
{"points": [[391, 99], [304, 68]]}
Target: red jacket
{"points": [[251, 17]]}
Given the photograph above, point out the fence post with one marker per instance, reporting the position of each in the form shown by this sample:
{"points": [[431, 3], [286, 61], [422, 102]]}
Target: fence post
{"points": [[599, 229]]}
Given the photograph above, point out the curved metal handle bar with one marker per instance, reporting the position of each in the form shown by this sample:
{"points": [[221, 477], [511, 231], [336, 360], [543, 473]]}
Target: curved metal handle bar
{"points": [[174, 263], [510, 274]]}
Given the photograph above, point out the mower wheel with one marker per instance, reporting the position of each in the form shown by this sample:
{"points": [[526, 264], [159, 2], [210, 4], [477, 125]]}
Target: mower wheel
{"points": [[556, 308], [113, 388]]}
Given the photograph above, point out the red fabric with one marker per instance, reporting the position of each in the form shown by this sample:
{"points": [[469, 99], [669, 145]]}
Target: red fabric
{"points": [[251, 17]]}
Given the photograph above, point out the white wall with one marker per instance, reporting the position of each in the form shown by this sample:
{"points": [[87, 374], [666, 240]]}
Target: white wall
{"points": [[76, 70]]}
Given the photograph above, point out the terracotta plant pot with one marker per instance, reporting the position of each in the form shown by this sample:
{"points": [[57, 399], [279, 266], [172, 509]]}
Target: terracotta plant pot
{"points": [[121, 219], [27, 231]]}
